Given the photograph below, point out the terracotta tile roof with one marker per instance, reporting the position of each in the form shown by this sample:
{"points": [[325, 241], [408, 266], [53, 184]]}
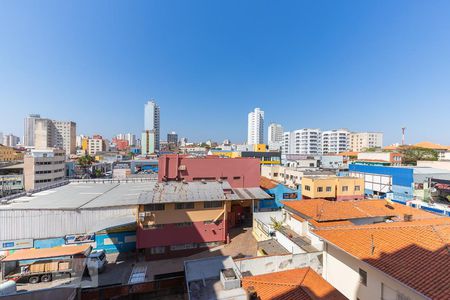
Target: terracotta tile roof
{"points": [[323, 210], [296, 284], [348, 153], [267, 183], [330, 223], [430, 145], [415, 253]]}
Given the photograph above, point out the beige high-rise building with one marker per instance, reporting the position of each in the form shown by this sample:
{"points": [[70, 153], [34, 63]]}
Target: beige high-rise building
{"points": [[55, 134], [359, 141], [96, 144], [43, 167]]}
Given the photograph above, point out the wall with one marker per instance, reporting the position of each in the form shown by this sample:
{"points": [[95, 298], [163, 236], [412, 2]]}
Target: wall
{"points": [[342, 271], [170, 234], [171, 215], [352, 193], [240, 172], [288, 244], [278, 192]]}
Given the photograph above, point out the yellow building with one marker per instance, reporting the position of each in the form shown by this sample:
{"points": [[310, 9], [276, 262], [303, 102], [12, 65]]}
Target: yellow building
{"points": [[260, 147], [8, 154], [333, 188], [224, 153], [85, 144]]}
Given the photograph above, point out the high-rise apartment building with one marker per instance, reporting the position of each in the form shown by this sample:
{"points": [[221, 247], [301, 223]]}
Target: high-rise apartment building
{"points": [[29, 128], [172, 138], [55, 134], [131, 138], [275, 138], [305, 141], [152, 120], [255, 131], [10, 140], [335, 141], [359, 141]]}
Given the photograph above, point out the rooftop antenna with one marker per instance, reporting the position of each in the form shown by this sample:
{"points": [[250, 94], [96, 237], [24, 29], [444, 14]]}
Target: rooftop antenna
{"points": [[403, 135]]}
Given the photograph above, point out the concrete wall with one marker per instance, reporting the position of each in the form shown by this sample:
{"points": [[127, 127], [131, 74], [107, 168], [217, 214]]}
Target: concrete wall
{"points": [[276, 263], [239, 172], [342, 271]]}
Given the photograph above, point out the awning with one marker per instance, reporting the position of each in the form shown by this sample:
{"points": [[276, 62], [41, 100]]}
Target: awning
{"points": [[113, 222], [33, 253]]}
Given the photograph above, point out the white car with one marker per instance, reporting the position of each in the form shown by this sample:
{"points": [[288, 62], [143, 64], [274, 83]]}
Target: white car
{"points": [[97, 260]]}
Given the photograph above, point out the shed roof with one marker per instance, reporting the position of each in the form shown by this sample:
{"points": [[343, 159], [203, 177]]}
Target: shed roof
{"points": [[33, 253]]}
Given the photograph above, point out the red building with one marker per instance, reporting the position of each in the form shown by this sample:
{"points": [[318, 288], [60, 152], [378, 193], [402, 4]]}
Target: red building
{"points": [[195, 203], [121, 145], [239, 172]]}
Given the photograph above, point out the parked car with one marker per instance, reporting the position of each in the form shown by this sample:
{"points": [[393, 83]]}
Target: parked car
{"points": [[97, 261]]}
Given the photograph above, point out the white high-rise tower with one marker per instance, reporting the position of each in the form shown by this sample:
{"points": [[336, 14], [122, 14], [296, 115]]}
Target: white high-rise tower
{"points": [[275, 136], [255, 127], [151, 120]]}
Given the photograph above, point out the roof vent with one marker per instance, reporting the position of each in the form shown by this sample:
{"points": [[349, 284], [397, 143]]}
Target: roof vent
{"points": [[203, 181], [407, 217]]}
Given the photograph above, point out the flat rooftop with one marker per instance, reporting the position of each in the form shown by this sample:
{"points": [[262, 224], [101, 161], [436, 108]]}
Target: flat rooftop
{"points": [[88, 195]]}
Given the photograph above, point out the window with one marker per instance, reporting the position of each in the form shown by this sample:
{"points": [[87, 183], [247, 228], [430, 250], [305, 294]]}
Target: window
{"points": [[187, 205], [212, 204], [275, 174], [328, 189], [237, 177], [158, 250], [363, 277], [307, 188], [357, 188], [345, 188], [152, 207], [184, 224], [320, 189]]}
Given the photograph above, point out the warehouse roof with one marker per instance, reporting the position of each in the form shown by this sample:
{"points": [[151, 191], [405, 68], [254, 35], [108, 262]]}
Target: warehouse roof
{"points": [[82, 195], [33, 253]]}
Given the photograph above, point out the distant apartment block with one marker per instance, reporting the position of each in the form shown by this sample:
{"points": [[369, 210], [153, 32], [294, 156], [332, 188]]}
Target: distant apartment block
{"points": [[96, 144], [29, 130], [275, 136], [10, 140], [335, 141], [148, 142], [302, 141], [360, 141], [55, 134], [172, 138], [152, 120], [380, 158], [255, 128], [43, 167]]}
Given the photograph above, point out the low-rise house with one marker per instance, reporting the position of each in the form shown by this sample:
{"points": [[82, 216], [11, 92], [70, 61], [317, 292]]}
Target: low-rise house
{"points": [[337, 188], [401, 260], [380, 158], [279, 192]]}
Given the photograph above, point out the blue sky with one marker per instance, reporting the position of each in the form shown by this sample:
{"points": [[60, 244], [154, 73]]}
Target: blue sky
{"points": [[362, 65]]}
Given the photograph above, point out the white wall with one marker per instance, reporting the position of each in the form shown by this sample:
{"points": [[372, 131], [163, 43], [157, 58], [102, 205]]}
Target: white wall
{"points": [[342, 271]]}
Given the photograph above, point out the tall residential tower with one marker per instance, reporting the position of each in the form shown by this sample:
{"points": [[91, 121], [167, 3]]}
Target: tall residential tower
{"points": [[151, 120], [255, 127], [275, 139]]}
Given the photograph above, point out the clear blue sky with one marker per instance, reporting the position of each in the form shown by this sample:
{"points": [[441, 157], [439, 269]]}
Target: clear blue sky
{"points": [[363, 65]]}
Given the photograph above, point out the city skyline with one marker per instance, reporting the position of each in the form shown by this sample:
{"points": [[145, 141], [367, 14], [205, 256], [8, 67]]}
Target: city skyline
{"points": [[338, 61]]}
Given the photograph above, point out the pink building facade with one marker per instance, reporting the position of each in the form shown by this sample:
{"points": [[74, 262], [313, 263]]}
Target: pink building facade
{"points": [[239, 172]]}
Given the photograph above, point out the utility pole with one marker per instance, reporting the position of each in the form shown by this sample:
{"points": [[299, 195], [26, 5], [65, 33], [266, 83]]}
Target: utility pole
{"points": [[403, 135]]}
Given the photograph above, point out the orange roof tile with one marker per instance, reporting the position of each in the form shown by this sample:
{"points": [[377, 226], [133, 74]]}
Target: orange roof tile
{"points": [[350, 153], [415, 253], [267, 183], [430, 145], [323, 210], [296, 284]]}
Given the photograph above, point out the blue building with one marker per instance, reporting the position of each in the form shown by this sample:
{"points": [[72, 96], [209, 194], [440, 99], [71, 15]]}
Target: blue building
{"points": [[398, 183], [279, 192]]}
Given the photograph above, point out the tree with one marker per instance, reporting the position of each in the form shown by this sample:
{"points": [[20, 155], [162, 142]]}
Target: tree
{"points": [[412, 154]]}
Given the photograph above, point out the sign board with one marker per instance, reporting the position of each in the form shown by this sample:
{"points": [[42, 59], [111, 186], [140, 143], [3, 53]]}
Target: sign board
{"points": [[17, 244], [290, 196], [79, 238]]}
